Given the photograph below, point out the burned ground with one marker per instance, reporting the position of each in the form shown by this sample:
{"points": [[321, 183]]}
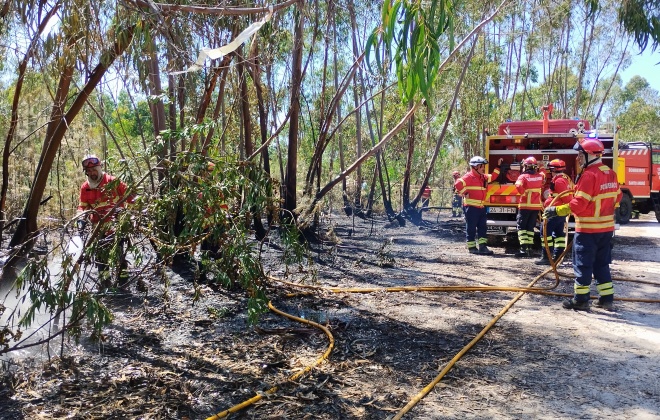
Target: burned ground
{"points": [[167, 357]]}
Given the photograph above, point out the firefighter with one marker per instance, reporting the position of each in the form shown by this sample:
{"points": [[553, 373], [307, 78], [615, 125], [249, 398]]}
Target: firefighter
{"points": [[529, 185], [554, 232], [596, 197], [426, 197], [101, 194], [457, 200], [473, 187]]}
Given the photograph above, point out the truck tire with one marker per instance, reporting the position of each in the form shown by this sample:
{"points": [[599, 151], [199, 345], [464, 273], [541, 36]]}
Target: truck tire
{"points": [[657, 215], [624, 212]]}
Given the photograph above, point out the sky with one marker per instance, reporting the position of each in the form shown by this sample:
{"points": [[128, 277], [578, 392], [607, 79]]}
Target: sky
{"points": [[644, 65]]}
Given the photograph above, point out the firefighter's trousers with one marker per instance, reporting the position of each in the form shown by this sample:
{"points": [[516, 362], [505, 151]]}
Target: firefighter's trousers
{"points": [[475, 225], [525, 222], [555, 234], [456, 204], [592, 255]]}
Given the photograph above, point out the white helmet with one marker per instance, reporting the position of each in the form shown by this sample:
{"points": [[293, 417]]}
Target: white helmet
{"points": [[478, 160]]}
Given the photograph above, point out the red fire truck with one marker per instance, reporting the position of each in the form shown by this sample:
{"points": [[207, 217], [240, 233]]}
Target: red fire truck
{"points": [[637, 165]]}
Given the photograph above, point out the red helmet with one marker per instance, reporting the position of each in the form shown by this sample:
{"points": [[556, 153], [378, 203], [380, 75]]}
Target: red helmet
{"points": [[557, 165], [591, 146], [530, 161]]}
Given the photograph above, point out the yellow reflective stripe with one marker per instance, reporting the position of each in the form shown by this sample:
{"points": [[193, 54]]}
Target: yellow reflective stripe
{"points": [[471, 188], [594, 224], [589, 219], [583, 195], [531, 206], [473, 202], [580, 290], [612, 194], [483, 241], [471, 244], [605, 289]]}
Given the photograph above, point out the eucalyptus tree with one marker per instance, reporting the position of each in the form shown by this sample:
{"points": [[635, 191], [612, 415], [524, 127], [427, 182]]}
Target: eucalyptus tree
{"points": [[66, 52], [636, 109]]}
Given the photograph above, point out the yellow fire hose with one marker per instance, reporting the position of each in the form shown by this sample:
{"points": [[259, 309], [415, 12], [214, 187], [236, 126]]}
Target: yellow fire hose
{"points": [[521, 291], [464, 350], [272, 390]]}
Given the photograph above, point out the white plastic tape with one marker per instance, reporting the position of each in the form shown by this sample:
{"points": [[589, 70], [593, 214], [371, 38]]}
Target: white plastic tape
{"points": [[226, 49]]}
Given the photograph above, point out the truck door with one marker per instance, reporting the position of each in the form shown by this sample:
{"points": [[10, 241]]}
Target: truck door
{"points": [[655, 169]]}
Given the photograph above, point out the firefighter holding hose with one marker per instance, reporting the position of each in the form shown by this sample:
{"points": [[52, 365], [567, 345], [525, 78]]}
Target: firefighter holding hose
{"points": [[100, 195], [597, 194], [554, 229], [473, 187]]}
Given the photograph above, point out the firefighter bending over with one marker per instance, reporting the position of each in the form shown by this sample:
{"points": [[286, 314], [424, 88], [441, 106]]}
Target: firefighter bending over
{"points": [[597, 194], [529, 185], [457, 200], [473, 187], [554, 231], [100, 194]]}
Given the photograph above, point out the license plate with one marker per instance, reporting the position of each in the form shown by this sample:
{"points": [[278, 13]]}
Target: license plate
{"points": [[511, 210], [496, 230]]}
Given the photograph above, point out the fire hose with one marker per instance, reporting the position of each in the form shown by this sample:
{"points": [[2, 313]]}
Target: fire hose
{"points": [[520, 290]]}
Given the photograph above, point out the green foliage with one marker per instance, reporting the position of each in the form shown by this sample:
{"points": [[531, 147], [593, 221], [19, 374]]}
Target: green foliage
{"points": [[196, 205], [411, 31], [641, 18]]}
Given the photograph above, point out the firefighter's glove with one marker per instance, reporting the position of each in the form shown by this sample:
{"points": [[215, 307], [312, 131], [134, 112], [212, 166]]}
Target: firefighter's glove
{"points": [[553, 211]]}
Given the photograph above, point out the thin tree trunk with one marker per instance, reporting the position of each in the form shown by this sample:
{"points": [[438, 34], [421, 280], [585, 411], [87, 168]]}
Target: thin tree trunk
{"points": [[14, 112], [290, 182], [27, 226]]}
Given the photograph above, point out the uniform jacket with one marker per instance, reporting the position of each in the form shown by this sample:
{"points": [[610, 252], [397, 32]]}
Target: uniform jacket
{"points": [[529, 186], [472, 186], [426, 193], [102, 198], [596, 196], [560, 183]]}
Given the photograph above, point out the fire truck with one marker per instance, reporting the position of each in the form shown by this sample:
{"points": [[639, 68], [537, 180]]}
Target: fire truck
{"points": [[637, 165]]}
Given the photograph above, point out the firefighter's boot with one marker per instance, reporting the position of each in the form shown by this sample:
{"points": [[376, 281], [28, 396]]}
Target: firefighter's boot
{"points": [[483, 250], [608, 305], [473, 250], [522, 253], [544, 259], [576, 305]]}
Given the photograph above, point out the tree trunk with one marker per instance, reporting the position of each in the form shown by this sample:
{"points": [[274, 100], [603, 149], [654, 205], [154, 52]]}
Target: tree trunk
{"points": [[14, 113], [290, 182], [23, 238]]}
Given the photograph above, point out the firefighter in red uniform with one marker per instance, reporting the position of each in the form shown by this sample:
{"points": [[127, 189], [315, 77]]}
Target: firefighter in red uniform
{"points": [[99, 195], [457, 201], [426, 196], [473, 187], [597, 195], [555, 226], [529, 185]]}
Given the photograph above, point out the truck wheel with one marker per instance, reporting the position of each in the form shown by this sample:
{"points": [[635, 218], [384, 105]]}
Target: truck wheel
{"points": [[657, 215], [624, 212]]}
